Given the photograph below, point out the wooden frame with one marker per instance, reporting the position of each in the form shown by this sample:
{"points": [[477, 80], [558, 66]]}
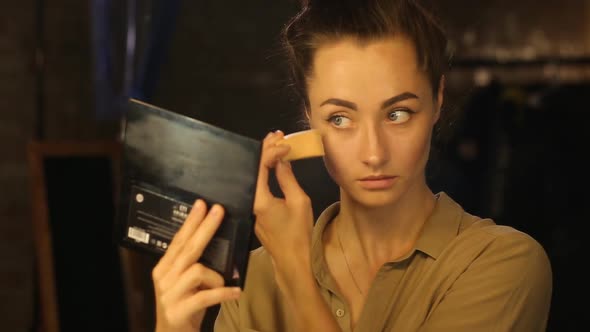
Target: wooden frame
{"points": [[37, 152]]}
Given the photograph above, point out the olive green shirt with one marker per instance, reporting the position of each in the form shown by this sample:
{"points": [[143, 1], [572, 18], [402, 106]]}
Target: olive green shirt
{"points": [[464, 274]]}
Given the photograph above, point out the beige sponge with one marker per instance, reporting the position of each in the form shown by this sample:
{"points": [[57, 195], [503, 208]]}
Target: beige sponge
{"points": [[304, 144]]}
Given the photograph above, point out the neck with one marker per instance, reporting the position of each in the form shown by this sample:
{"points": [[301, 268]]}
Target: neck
{"points": [[388, 232]]}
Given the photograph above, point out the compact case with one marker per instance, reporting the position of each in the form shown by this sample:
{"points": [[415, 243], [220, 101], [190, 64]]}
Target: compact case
{"points": [[170, 160]]}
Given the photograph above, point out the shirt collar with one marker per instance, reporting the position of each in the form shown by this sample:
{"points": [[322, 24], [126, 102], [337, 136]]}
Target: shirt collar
{"points": [[317, 248], [439, 229]]}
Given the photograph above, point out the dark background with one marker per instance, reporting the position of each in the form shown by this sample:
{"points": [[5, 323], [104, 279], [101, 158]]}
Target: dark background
{"points": [[516, 109]]}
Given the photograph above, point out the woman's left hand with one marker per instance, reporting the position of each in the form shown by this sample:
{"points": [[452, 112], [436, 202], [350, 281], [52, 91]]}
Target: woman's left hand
{"points": [[283, 225]]}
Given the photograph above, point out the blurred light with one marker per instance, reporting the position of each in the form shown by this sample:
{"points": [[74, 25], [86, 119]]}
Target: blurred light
{"points": [[482, 77]]}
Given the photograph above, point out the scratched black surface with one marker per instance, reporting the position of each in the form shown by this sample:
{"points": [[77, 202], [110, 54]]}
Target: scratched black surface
{"points": [[183, 158]]}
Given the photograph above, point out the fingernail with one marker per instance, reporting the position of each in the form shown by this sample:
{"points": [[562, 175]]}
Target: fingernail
{"points": [[236, 291], [215, 210], [269, 135], [279, 132], [199, 204]]}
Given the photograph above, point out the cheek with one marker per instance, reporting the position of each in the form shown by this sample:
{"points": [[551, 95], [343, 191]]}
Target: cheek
{"points": [[412, 151], [337, 155]]}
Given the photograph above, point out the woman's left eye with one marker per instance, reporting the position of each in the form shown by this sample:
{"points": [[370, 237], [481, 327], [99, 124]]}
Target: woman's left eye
{"points": [[399, 116]]}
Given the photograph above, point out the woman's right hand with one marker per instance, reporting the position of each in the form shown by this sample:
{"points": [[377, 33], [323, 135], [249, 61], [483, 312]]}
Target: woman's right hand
{"points": [[183, 287]]}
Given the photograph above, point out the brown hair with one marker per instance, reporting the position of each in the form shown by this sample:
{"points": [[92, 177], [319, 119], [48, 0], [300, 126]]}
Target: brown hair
{"points": [[366, 20]]}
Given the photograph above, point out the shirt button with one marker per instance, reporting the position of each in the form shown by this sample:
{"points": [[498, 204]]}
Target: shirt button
{"points": [[339, 312]]}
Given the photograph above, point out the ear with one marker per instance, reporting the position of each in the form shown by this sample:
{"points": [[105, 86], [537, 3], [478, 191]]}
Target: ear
{"points": [[439, 98]]}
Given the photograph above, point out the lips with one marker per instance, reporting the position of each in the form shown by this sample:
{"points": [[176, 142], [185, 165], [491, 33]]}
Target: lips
{"points": [[377, 177], [377, 182]]}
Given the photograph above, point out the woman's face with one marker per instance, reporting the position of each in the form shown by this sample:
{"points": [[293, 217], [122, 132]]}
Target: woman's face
{"points": [[374, 107]]}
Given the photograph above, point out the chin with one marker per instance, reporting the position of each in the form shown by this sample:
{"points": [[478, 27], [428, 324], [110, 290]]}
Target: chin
{"points": [[375, 199]]}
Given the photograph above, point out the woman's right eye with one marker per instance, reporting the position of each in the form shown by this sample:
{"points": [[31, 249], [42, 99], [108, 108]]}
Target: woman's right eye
{"points": [[339, 121]]}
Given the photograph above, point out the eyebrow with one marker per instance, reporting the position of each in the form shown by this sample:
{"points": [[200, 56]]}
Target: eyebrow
{"points": [[385, 104]]}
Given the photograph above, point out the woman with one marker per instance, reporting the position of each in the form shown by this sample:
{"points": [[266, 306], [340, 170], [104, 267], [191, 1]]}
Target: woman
{"points": [[390, 255]]}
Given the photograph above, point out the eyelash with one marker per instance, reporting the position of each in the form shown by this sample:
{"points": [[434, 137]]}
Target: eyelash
{"points": [[331, 118], [405, 110]]}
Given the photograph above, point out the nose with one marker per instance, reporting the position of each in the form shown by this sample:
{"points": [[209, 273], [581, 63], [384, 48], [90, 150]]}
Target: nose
{"points": [[373, 147]]}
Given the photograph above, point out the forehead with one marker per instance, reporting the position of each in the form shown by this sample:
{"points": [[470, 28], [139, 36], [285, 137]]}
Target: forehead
{"points": [[399, 46], [389, 63]]}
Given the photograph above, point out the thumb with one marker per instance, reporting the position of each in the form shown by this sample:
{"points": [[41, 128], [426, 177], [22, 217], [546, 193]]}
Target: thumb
{"points": [[287, 181]]}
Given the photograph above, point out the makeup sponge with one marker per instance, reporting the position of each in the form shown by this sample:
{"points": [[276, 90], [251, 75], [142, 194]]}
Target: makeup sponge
{"points": [[304, 144]]}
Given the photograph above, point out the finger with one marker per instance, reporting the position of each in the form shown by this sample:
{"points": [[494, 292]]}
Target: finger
{"points": [[304, 144], [270, 153], [272, 138], [197, 276], [192, 222], [287, 181], [196, 244], [188, 307], [274, 154], [194, 218], [262, 188]]}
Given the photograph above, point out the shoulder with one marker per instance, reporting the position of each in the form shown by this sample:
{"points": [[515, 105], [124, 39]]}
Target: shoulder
{"points": [[491, 275], [482, 243], [469, 237], [503, 248], [500, 238]]}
